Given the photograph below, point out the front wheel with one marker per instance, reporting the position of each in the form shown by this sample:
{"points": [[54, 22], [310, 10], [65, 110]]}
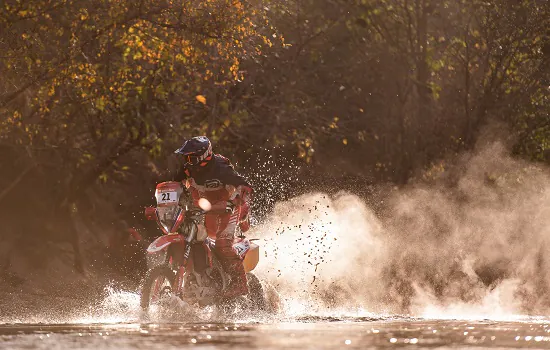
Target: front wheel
{"points": [[159, 282]]}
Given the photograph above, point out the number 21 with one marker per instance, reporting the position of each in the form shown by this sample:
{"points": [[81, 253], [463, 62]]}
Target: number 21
{"points": [[166, 196]]}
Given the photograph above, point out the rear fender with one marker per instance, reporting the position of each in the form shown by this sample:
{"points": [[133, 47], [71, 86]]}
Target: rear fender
{"points": [[163, 242], [249, 252], [250, 256]]}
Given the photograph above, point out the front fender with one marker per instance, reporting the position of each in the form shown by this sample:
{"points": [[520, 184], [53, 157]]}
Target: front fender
{"points": [[163, 242]]}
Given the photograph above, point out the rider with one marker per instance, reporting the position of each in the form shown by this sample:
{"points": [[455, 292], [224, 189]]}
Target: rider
{"points": [[211, 176]]}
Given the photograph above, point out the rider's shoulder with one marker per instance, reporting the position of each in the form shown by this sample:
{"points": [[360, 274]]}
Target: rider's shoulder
{"points": [[222, 161]]}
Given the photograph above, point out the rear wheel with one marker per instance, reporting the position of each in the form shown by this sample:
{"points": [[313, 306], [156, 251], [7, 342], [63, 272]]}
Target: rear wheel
{"points": [[256, 292], [158, 283]]}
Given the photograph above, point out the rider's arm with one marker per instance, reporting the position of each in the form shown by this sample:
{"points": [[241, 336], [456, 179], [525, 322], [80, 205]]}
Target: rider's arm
{"points": [[241, 195], [240, 191], [238, 187]]}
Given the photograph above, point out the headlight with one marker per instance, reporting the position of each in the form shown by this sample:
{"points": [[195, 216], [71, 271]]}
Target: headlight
{"points": [[168, 216]]}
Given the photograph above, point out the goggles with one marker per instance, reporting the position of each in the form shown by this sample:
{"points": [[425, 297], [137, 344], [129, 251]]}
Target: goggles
{"points": [[193, 159]]}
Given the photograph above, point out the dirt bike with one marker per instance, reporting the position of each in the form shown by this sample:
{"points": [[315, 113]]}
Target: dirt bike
{"points": [[184, 261]]}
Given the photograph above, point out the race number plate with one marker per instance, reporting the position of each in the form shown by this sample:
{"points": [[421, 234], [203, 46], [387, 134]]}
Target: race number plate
{"points": [[167, 197]]}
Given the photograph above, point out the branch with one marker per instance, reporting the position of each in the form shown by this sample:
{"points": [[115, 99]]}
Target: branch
{"points": [[48, 73]]}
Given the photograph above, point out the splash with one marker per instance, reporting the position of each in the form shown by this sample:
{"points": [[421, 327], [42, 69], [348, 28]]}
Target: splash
{"points": [[497, 304], [472, 244], [117, 306], [319, 251]]}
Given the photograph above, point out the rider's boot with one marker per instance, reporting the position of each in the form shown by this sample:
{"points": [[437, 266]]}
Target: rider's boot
{"points": [[238, 285], [233, 266]]}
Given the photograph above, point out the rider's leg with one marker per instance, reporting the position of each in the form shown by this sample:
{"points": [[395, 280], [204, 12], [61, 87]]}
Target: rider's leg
{"points": [[230, 260]]}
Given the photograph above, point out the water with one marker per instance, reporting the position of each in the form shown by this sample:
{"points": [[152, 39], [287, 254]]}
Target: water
{"points": [[306, 333], [344, 275], [117, 322]]}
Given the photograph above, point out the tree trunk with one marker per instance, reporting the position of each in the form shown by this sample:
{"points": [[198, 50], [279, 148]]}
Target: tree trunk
{"points": [[424, 117]]}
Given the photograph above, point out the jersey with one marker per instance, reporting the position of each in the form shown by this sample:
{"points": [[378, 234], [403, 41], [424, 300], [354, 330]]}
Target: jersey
{"points": [[217, 181]]}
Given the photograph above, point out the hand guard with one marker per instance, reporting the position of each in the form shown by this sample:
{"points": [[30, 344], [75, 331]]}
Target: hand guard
{"points": [[229, 207]]}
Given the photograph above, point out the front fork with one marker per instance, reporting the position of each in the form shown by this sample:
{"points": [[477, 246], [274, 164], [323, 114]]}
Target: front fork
{"points": [[180, 273]]}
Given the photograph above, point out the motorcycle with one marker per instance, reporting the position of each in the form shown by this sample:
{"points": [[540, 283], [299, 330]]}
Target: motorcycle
{"points": [[184, 261]]}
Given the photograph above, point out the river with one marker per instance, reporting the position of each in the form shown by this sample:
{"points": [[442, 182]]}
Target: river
{"points": [[304, 333]]}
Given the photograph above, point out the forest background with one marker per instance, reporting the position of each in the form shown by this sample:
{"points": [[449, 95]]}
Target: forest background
{"points": [[95, 95]]}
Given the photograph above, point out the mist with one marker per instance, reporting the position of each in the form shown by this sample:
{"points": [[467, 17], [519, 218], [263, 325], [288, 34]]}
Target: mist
{"points": [[471, 243]]}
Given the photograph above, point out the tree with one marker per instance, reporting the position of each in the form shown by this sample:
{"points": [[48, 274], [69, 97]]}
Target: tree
{"points": [[86, 83]]}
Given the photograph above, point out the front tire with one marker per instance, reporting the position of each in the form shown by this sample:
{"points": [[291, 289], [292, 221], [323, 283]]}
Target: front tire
{"points": [[158, 282]]}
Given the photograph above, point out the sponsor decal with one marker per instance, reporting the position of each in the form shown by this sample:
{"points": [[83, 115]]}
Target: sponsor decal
{"points": [[214, 183], [242, 247]]}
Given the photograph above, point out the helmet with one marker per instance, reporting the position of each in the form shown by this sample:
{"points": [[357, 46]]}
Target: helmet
{"points": [[196, 151]]}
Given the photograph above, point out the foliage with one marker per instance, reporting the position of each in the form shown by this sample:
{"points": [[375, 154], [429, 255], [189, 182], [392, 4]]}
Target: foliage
{"points": [[95, 94], [388, 87], [93, 80]]}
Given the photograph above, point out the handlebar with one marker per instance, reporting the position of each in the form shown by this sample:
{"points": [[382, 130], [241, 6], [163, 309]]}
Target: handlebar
{"points": [[202, 212]]}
